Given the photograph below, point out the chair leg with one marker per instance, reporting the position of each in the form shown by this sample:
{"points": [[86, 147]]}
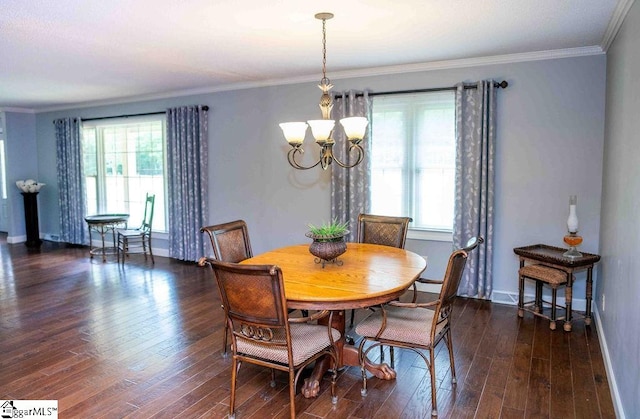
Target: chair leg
{"points": [[363, 354], [392, 357], [352, 316], [125, 248], [273, 378], [235, 366], [224, 340], [334, 377], [432, 370], [538, 307], [151, 252], [452, 362], [292, 393], [554, 292]]}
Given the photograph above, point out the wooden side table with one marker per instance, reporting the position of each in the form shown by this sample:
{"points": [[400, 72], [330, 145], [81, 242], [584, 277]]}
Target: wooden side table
{"points": [[543, 254]]}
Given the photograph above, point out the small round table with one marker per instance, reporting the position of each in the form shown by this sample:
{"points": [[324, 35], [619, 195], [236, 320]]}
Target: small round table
{"points": [[102, 223]]}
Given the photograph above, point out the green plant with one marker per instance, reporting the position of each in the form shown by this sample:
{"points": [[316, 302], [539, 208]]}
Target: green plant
{"points": [[329, 229]]}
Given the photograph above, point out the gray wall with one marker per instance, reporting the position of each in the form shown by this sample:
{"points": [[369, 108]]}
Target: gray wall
{"points": [[550, 135], [22, 163], [620, 209]]}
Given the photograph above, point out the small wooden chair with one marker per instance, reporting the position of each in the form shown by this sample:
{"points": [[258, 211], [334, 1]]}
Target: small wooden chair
{"points": [[541, 274], [132, 240]]}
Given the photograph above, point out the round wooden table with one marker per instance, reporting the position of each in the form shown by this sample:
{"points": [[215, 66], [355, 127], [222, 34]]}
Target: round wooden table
{"points": [[370, 275]]}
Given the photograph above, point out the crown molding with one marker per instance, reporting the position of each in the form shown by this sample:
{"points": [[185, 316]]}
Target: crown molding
{"points": [[376, 71], [20, 110], [615, 23], [474, 62]]}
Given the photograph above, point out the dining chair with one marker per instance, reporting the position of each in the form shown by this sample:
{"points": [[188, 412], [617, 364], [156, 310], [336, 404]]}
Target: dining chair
{"points": [[262, 333], [132, 240], [230, 243], [471, 244], [416, 326], [384, 230]]}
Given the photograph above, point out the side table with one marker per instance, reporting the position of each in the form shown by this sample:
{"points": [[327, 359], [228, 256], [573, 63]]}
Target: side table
{"points": [[103, 223], [543, 254]]}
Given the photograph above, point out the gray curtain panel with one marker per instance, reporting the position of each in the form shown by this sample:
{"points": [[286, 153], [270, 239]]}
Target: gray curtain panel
{"points": [[474, 183], [187, 170], [350, 187], [72, 196]]}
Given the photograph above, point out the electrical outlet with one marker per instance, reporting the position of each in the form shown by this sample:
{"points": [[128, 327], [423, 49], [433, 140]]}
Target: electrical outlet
{"points": [[603, 303]]}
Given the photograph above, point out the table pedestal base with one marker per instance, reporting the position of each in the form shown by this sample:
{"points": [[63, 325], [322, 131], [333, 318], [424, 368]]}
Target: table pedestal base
{"points": [[347, 357]]}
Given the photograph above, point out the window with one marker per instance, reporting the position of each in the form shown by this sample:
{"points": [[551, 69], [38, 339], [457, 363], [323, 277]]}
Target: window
{"points": [[123, 161], [413, 158]]}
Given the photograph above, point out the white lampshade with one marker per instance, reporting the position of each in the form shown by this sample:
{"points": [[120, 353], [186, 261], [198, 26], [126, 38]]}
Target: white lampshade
{"points": [[355, 127], [321, 129], [294, 132]]}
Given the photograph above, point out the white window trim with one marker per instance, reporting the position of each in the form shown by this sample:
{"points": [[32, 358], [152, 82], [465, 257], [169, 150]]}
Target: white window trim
{"points": [[430, 235]]}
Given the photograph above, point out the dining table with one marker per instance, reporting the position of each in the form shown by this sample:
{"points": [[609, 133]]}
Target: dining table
{"points": [[367, 275]]}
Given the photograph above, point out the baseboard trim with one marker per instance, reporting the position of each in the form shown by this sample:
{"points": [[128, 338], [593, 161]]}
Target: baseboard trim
{"points": [[604, 349], [16, 239]]}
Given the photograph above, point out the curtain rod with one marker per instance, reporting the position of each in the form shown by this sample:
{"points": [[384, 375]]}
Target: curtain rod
{"points": [[206, 108], [503, 84]]}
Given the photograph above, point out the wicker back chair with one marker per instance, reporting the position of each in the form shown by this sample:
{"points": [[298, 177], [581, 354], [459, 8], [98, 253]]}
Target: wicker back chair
{"points": [[416, 326], [383, 230], [261, 332], [132, 240], [229, 241], [471, 244]]}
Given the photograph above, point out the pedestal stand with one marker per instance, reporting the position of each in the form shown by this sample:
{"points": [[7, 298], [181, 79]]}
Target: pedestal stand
{"points": [[31, 219]]}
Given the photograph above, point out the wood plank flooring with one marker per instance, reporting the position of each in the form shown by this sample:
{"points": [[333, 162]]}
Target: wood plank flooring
{"points": [[144, 341]]}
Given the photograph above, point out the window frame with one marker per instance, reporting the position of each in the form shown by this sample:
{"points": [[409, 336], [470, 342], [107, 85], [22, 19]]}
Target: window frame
{"points": [[101, 166], [410, 108]]}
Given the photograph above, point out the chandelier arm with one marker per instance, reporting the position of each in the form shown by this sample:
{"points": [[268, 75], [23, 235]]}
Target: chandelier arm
{"points": [[291, 156], [360, 151]]}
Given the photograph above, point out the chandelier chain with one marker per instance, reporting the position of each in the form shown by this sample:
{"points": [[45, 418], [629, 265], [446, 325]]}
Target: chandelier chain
{"points": [[324, 50]]}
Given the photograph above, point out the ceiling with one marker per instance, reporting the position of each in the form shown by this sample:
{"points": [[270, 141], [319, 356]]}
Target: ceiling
{"points": [[65, 53]]}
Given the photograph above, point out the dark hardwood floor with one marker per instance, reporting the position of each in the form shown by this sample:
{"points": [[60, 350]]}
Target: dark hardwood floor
{"points": [[144, 341]]}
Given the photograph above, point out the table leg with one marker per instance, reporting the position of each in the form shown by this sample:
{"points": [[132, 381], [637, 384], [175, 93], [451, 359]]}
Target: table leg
{"points": [[521, 291], [568, 295], [587, 314], [90, 242], [347, 356], [104, 256]]}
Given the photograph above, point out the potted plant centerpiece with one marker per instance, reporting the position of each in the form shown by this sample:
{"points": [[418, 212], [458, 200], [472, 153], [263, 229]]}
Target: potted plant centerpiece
{"points": [[328, 241]]}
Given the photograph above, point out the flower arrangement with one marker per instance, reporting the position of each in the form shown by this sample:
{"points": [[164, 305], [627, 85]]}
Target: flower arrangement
{"points": [[29, 185], [328, 230]]}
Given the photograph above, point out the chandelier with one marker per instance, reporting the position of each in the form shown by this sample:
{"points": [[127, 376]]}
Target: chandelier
{"points": [[322, 129]]}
